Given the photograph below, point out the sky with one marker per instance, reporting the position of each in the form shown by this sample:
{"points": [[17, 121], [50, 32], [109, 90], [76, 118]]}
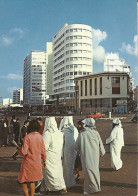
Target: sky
{"points": [[27, 25]]}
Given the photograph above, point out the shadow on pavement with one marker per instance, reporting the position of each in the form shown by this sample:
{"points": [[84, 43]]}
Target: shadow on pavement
{"points": [[117, 184]]}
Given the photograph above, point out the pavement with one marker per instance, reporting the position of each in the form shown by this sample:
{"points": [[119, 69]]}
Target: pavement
{"points": [[113, 183]]}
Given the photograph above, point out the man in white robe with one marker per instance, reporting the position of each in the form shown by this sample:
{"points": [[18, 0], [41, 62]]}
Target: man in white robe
{"points": [[69, 152], [116, 141], [53, 173], [90, 145]]}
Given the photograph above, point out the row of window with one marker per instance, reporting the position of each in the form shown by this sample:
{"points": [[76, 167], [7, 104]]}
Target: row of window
{"points": [[64, 88], [70, 31], [38, 72], [77, 66], [75, 72], [78, 44], [61, 56], [78, 59], [74, 44], [63, 82], [38, 65], [58, 45], [77, 51], [78, 37], [38, 62], [59, 64], [78, 30], [42, 69], [74, 52], [71, 73], [59, 70], [59, 51]]}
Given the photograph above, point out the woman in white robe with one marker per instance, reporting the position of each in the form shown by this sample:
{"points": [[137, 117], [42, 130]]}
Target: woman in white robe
{"points": [[90, 145], [53, 173], [116, 141], [69, 153]]}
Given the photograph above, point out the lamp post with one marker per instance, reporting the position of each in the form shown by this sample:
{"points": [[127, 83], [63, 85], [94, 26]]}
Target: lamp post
{"points": [[110, 104], [76, 97]]}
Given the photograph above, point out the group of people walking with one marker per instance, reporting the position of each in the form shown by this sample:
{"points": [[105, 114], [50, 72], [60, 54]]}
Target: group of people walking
{"points": [[10, 131], [49, 154]]}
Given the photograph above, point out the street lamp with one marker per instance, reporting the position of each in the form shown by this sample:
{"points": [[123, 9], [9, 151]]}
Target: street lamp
{"points": [[76, 96], [110, 97]]}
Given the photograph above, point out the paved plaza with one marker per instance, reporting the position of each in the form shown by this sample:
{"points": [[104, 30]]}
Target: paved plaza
{"points": [[113, 183]]}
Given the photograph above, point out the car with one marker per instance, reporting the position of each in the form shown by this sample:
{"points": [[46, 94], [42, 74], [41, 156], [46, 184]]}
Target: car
{"points": [[96, 115]]}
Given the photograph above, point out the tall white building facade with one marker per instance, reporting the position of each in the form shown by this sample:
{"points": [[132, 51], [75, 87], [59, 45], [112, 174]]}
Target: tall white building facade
{"points": [[6, 102], [72, 57], [34, 81], [49, 67], [18, 96], [112, 63]]}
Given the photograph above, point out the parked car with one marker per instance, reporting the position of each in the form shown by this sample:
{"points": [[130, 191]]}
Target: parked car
{"points": [[135, 118], [96, 115]]}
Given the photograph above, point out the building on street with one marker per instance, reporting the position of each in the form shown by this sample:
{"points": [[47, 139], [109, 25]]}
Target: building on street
{"points": [[72, 57], [18, 96], [35, 79], [103, 92]]}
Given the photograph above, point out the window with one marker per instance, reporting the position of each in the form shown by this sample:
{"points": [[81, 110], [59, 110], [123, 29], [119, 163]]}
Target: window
{"points": [[95, 86], [100, 86], [90, 86], [85, 87], [115, 85], [81, 88]]}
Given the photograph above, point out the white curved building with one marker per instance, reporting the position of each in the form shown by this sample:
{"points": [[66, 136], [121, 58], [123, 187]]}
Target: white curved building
{"points": [[72, 57]]}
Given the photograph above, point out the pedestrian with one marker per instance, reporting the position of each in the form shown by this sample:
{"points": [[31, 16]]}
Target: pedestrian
{"points": [[41, 125], [53, 173], [24, 130], [69, 153], [38, 184], [5, 131], [23, 133], [77, 165], [116, 141], [11, 129], [90, 146], [17, 130], [1, 130], [33, 150]]}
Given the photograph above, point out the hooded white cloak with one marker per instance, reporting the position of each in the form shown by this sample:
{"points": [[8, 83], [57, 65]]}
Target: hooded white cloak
{"points": [[116, 141], [69, 152], [53, 140], [90, 145]]}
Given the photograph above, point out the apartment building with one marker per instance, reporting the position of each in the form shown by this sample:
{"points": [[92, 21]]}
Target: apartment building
{"points": [[103, 92], [35, 77], [72, 57], [112, 63], [49, 67]]}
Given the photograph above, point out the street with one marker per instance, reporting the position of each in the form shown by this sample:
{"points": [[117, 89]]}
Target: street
{"points": [[113, 183]]}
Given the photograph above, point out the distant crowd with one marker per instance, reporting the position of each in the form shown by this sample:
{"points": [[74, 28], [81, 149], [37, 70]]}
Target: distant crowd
{"points": [[53, 157]]}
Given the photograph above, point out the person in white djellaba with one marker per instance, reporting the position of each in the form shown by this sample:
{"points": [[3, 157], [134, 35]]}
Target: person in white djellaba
{"points": [[69, 152], [91, 147], [53, 173], [116, 141]]}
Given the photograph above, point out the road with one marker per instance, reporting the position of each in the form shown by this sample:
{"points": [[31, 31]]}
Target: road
{"points": [[113, 183]]}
